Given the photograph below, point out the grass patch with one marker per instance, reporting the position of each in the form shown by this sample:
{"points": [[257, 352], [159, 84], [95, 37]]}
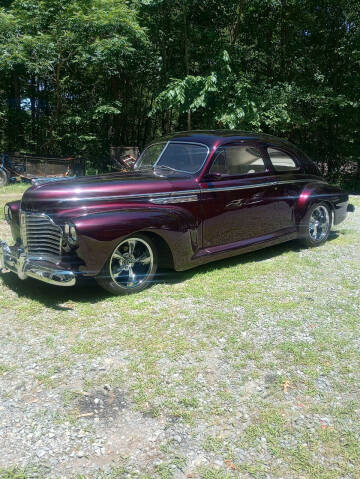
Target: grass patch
{"points": [[247, 357], [5, 368], [23, 473]]}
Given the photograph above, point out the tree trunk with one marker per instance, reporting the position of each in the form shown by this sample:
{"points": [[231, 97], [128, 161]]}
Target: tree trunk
{"points": [[13, 126], [186, 56], [58, 94]]}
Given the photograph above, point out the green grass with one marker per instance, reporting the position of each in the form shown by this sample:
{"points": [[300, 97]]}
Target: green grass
{"points": [[244, 347], [211, 473], [13, 473], [22, 473], [5, 368]]}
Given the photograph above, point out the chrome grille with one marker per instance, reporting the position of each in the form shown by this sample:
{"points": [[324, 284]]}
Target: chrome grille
{"points": [[40, 235]]}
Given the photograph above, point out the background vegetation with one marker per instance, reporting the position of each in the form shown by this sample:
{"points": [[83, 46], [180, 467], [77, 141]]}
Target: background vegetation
{"points": [[78, 76]]}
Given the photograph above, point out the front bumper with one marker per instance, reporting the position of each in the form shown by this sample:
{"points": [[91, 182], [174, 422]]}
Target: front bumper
{"points": [[15, 259]]}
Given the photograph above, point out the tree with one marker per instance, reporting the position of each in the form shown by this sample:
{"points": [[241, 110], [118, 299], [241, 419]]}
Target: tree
{"points": [[78, 76]]}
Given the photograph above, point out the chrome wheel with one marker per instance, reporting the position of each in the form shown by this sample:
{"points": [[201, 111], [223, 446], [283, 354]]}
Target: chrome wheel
{"points": [[131, 263], [319, 223]]}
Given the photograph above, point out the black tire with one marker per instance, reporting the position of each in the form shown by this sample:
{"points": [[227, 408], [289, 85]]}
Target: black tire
{"points": [[316, 225], [4, 180], [126, 273]]}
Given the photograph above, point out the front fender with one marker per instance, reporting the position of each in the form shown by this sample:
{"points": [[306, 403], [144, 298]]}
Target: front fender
{"points": [[316, 192], [99, 233], [15, 223]]}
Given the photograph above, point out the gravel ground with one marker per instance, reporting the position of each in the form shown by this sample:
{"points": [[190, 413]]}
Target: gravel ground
{"points": [[246, 368]]}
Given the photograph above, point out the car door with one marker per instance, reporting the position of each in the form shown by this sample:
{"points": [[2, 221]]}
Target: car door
{"points": [[239, 197], [287, 174]]}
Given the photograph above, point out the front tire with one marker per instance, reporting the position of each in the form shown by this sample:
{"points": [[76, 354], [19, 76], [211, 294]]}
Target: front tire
{"points": [[316, 225], [131, 267]]}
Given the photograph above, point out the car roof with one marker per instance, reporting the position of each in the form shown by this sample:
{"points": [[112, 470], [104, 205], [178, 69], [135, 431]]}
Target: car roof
{"points": [[215, 138], [220, 137]]}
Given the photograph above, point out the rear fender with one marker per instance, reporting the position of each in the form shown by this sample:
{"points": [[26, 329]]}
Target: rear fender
{"points": [[100, 233], [317, 192]]}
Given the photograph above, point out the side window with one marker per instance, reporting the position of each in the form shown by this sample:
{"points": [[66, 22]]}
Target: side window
{"points": [[281, 160], [238, 160]]}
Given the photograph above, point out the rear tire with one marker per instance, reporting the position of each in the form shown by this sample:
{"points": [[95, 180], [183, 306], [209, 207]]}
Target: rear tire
{"points": [[131, 267], [316, 225], [4, 180]]}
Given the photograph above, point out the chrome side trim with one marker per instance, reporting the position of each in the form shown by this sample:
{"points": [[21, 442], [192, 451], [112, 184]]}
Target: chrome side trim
{"points": [[136, 196], [187, 192], [175, 199], [259, 185]]}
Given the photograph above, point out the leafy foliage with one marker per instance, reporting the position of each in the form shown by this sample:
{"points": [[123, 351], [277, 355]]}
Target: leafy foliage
{"points": [[78, 76]]}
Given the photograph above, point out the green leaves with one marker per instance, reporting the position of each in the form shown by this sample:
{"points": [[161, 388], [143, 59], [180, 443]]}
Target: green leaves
{"points": [[81, 75], [63, 59], [103, 110]]}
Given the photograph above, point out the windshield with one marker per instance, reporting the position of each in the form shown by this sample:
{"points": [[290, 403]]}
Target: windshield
{"points": [[182, 157]]}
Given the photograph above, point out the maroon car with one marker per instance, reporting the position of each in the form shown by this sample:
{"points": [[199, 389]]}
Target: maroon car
{"points": [[191, 198]]}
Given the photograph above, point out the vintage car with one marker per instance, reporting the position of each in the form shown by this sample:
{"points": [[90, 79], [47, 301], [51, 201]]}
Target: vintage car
{"points": [[191, 198]]}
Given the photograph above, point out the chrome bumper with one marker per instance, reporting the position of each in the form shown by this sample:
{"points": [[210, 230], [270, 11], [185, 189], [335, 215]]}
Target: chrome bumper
{"points": [[15, 260]]}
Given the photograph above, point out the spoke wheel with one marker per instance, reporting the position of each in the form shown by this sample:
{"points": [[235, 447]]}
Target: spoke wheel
{"points": [[316, 225], [131, 266], [319, 223], [131, 262]]}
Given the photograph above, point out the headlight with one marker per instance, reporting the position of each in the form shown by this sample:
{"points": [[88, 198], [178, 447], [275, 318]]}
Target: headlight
{"points": [[8, 213], [70, 235], [73, 234]]}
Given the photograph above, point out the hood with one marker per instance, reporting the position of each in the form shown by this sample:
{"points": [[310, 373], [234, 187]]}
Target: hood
{"points": [[94, 191]]}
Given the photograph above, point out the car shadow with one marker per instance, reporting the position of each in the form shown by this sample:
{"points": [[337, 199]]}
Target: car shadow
{"points": [[53, 297], [173, 277], [88, 291]]}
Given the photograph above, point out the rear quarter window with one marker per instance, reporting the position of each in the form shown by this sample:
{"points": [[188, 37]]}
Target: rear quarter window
{"points": [[281, 160]]}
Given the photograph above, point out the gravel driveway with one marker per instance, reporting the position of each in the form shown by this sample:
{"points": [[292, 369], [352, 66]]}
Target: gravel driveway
{"points": [[246, 368]]}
